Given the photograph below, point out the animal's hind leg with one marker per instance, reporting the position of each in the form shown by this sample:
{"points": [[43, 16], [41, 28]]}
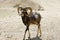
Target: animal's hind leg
{"points": [[39, 26], [39, 30]]}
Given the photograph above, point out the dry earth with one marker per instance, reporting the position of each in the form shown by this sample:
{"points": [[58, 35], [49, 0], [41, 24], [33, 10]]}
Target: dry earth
{"points": [[12, 28]]}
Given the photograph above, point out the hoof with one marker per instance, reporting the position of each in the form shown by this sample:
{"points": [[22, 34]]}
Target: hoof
{"points": [[37, 36], [29, 37], [23, 39], [40, 36]]}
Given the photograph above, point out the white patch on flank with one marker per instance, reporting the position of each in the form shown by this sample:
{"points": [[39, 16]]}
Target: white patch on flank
{"points": [[36, 16]]}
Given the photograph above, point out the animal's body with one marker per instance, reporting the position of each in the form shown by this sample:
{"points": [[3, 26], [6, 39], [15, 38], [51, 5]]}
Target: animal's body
{"points": [[34, 18]]}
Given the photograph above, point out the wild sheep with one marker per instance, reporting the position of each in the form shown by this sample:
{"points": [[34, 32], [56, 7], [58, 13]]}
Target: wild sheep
{"points": [[30, 19]]}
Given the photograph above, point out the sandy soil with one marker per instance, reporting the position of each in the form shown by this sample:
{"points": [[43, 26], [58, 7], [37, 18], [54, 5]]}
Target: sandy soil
{"points": [[12, 28]]}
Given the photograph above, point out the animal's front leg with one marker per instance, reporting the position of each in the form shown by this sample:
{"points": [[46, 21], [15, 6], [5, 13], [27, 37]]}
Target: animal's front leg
{"points": [[25, 33], [28, 32]]}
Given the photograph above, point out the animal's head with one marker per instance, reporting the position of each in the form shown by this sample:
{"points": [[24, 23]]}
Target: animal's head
{"points": [[23, 11]]}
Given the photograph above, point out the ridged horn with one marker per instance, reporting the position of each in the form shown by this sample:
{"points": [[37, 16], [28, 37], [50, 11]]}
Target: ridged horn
{"points": [[18, 9], [29, 9]]}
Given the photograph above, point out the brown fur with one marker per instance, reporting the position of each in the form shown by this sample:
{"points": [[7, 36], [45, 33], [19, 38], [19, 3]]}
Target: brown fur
{"points": [[30, 19]]}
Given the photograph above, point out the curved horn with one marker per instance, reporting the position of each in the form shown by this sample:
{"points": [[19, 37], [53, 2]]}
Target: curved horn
{"points": [[19, 9], [29, 9]]}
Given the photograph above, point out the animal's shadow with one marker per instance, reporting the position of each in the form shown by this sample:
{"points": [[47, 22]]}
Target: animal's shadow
{"points": [[34, 38]]}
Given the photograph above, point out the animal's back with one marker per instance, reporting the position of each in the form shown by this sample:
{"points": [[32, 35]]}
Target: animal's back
{"points": [[36, 18]]}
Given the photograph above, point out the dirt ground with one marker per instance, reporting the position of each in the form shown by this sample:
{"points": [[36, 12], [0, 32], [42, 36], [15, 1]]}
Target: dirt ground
{"points": [[12, 27]]}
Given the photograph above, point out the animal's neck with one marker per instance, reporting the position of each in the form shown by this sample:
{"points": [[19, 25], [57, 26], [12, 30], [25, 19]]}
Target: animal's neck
{"points": [[24, 19], [24, 16]]}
